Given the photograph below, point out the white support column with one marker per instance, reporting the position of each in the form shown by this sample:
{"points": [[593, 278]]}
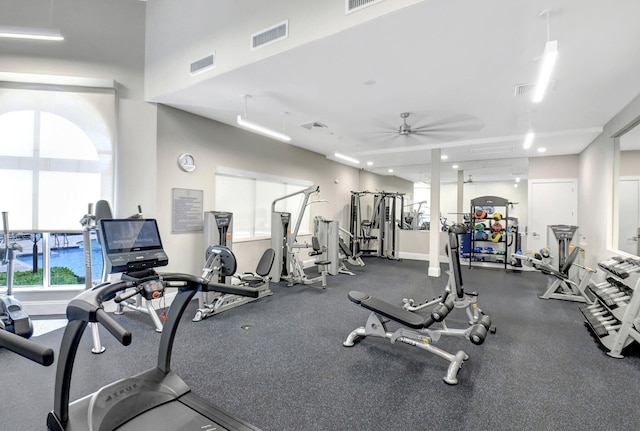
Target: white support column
{"points": [[460, 205], [434, 234]]}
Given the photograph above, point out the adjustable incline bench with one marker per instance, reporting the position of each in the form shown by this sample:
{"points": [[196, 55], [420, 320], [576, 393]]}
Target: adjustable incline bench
{"points": [[418, 333]]}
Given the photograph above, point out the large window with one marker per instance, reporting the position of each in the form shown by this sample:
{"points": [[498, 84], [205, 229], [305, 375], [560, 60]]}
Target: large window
{"points": [[249, 196], [56, 156]]}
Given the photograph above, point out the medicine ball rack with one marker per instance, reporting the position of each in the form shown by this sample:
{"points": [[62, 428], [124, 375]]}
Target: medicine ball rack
{"points": [[492, 231], [614, 316]]}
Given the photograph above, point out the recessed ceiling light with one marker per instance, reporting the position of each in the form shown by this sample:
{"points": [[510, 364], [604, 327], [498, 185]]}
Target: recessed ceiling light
{"points": [[542, 149], [369, 163], [390, 171], [517, 179], [455, 167], [444, 157], [515, 185]]}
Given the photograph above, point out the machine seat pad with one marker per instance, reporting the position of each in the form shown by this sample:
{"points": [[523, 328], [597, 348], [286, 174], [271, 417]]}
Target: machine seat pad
{"points": [[391, 311]]}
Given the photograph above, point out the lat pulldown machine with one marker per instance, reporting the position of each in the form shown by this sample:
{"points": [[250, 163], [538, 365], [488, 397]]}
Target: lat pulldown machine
{"points": [[287, 264]]}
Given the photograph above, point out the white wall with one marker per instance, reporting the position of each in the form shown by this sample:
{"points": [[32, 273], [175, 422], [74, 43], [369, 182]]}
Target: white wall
{"points": [[595, 191], [199, 28], [215, 144]]}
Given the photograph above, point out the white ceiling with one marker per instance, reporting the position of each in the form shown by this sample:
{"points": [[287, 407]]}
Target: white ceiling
{"points": [[449, 63]]}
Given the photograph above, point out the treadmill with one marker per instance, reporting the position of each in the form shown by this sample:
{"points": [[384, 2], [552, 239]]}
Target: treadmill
{"points": [[157, 399]]}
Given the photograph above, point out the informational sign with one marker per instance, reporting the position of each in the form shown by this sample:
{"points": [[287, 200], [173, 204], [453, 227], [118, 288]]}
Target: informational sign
{"points": [[187, 211]]}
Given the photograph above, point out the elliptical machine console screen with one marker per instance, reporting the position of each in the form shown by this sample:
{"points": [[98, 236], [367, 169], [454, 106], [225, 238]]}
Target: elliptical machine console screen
{"points": [[130, 244]]}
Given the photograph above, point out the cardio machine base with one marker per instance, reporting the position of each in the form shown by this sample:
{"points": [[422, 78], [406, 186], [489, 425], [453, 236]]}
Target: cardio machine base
{"points": [[223, 302], [150, 400]]}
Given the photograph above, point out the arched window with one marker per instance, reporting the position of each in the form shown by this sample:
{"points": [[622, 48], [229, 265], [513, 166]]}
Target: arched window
{"points": [[56, 153]]}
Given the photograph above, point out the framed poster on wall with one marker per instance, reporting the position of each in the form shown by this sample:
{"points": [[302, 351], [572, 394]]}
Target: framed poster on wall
{"points": [[187, 210]]}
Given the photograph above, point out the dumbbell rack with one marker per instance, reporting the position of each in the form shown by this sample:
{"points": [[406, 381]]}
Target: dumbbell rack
{"points": [[613, 317]]}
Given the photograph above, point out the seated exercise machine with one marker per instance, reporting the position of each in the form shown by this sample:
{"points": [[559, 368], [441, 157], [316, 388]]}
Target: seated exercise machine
{"points": [[221, 263], [562, 285], [12, 317], [157, 399], [417, 331]]}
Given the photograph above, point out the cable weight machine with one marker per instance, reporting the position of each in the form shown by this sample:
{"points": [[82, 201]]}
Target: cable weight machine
{"points": [[376, 236], [284, 242]]}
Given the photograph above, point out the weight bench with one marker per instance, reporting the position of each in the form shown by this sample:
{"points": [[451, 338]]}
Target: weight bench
{"points": [[561, 285], [418, 336], [421, 335]]}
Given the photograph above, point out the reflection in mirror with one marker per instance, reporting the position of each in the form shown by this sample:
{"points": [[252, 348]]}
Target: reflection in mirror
{"points": [[629, 192]]}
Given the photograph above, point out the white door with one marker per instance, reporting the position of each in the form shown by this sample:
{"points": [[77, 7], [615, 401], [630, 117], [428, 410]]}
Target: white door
{"points": [[629, 216], [550, 202]]}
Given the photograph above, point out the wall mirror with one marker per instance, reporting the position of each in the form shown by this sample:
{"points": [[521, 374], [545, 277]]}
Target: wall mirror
{"points": [[628, 219]]}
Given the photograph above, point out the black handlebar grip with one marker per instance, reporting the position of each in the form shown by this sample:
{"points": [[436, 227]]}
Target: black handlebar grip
{"points": [[126, 295], [117, 330], [26, 348], [477, 334]]}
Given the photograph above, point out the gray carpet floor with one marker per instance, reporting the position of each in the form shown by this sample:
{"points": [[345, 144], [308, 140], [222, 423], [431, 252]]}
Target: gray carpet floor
{"points": [[279, 362]]}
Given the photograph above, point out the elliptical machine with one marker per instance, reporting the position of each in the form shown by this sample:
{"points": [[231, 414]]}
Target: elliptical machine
{"points": [[12, 316]]}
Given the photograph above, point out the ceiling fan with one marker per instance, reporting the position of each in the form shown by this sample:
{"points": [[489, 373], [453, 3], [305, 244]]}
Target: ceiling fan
{"points": [[441, 125]]}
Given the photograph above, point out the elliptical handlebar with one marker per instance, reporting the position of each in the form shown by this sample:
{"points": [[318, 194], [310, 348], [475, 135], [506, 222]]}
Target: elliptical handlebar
{"points": [[26, 348], [5, 221]]}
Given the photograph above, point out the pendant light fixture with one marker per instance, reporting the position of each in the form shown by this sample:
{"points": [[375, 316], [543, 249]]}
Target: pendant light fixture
{"points": [[33, 33], [254, 127], [549, 57]]}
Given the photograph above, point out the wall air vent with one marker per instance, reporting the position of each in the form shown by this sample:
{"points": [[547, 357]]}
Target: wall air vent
{"points": [[355, 5], [204, 64], [270, 35]]}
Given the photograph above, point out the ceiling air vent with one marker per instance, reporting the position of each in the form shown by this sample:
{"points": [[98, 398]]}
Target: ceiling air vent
{"points": [[270, 35], [525, 89], [355, 5], [206, 63], [315, 124]]}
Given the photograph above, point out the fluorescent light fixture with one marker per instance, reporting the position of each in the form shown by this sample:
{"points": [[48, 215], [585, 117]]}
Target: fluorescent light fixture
{"points": [[455, 167], [542, 149], [347, 158], [369, 163], [30, 33], [548, 62], [262, 130], [444, 157], [528, 140], [390, 171]]}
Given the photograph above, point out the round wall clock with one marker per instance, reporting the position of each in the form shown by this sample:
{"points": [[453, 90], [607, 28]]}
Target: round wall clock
{"points": [[186, 162]]}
